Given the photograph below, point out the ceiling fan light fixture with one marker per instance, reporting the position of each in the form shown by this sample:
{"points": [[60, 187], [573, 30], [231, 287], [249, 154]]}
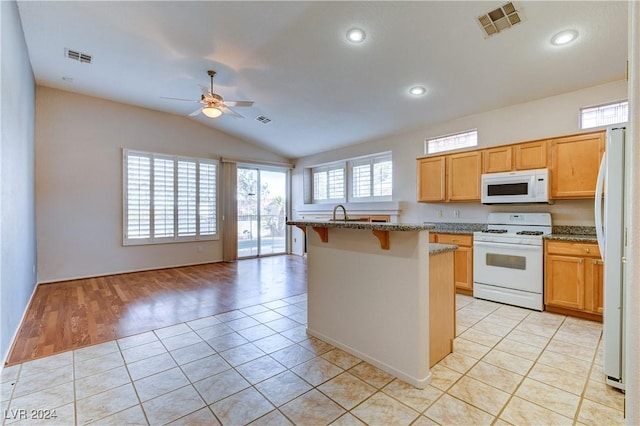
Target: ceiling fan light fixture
{"points": [[356, 35], [211, 111]]}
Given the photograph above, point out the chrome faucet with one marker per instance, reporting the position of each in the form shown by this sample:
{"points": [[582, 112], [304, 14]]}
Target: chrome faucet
{"points": [[343, 210]]}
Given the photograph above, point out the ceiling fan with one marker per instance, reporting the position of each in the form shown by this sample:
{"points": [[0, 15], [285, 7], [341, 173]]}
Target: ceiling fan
{"points": [[213, 105]]}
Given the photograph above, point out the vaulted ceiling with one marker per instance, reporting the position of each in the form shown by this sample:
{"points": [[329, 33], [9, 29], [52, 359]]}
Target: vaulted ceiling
{"points": [[293, 60]]}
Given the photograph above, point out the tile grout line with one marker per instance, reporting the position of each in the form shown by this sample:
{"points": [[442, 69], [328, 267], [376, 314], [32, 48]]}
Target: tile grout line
{"points": [[319, 355]]}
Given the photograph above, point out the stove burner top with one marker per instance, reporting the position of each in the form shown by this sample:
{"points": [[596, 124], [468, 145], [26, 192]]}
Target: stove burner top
{"points": [[530, 233], [495, 231]]}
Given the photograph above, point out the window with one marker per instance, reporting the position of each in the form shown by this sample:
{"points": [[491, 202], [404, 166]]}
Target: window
{"points": [[168, 198], [329, 183], [367, 178], [451, 142], [371, 178], [604, 115]]}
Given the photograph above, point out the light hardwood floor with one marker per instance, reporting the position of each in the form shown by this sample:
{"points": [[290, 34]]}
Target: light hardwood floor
{"points": [[73, 314]]}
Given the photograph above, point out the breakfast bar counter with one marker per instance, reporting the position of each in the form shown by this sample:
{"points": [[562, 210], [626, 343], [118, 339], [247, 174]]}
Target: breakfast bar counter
{"points": [[368, 292]]}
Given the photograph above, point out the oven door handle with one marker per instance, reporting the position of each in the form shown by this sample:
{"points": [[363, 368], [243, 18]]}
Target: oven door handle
{"points": [[508, 246]]}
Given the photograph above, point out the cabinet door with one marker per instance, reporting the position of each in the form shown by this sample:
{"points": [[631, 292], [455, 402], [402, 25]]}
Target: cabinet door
{"points": [[593, 286], [497, 160], [564, 281], [575, 161], [531, 155], [431, 179], [463, 268], [463, 176]]}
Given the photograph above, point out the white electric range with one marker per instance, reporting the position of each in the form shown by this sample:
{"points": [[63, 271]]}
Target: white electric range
{"points": [[508, 259]]}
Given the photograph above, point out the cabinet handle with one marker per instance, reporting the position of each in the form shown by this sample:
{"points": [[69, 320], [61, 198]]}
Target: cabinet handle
{"points": [[581, 260], [595, 262], [587, 250]]}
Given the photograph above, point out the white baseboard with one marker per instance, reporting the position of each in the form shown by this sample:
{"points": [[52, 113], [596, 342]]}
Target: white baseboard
{"points": [[418, 382]]}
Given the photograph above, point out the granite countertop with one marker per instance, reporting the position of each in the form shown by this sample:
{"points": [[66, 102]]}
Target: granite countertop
{"points": [[585, 234], [585, 238], [458, 228], [436, 248], [372, 226]]}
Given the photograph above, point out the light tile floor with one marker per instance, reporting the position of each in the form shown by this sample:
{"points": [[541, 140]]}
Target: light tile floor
{"points": [[258, 366]]}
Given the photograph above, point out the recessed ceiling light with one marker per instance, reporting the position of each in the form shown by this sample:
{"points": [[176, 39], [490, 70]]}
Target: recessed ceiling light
{"points": [[564, 37], [417, 90], [356, 35]]}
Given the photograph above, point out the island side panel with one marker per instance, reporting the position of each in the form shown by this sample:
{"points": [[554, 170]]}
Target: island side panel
{"points": [[371, 302]]}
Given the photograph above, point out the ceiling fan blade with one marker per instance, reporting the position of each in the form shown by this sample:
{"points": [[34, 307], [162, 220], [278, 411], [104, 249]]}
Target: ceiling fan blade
{"points": [[196, 112], [229, 111], [179, 99], [239, 103]]}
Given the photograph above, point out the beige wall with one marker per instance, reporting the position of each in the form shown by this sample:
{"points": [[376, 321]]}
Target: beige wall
{"points": [[554, 116], [79, 142], [17, 197]]}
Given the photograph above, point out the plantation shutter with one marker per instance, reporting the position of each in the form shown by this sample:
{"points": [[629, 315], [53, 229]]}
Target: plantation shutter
{"points": [[187, 198], [208, 199], [138, 199]]}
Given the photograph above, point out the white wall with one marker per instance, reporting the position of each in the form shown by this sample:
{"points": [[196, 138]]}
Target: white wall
{"points": [[79, 142], [17, 198], [549, 117]]}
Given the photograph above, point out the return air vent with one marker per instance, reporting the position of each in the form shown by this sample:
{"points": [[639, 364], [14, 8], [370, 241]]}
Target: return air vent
{"points": [[500, 19], [78, 56], [263, 119]]}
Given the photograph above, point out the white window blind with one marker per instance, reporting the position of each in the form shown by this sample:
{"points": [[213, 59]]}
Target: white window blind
{"points": [[372, 178], [138, 187], [604, 115], [169, 199], [329, 183], [382, 177], [451, 142], [163, 206], [186, 198], [208, 201]]}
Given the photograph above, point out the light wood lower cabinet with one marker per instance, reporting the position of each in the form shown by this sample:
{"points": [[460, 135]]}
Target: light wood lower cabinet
{"points": [[573, 279], [442, 307], [462, 260]]}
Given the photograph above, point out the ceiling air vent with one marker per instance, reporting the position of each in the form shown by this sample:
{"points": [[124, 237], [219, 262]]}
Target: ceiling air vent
{"points": [[500, 19], [78, 56], [263, 119]]}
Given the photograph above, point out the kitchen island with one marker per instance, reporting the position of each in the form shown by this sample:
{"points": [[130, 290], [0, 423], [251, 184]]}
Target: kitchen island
{"points": [[368, 292]]}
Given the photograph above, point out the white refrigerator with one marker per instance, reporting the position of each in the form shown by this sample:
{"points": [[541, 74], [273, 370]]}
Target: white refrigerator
{"points": [[611, 212]]}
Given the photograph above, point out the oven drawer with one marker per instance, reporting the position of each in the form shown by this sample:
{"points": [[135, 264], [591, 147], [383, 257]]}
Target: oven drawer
{"points": [[573, 248], [457, 239]]}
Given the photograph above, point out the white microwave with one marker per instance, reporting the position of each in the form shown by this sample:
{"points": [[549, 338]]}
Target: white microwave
{"points": [[520, 187]]}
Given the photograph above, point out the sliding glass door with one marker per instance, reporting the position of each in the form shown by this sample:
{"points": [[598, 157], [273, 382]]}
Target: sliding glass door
{"points": [[262, 210]]}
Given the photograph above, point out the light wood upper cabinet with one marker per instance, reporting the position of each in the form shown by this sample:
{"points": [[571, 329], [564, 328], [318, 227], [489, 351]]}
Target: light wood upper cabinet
{"points": [[575, 161], [573, 278], [431, 179], [530, 155], [497, 159], [463, 176]]}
